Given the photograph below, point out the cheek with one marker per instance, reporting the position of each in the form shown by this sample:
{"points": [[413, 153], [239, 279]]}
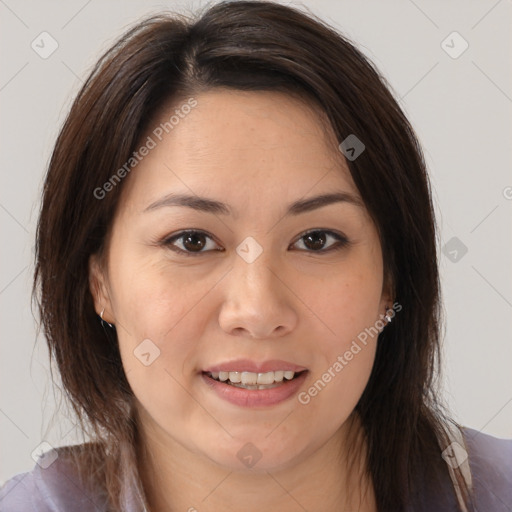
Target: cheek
{"points": [[156, 340], [156, 313], [331, 395], [346, 344], [152, 297], [345, 305], [346, 312]]}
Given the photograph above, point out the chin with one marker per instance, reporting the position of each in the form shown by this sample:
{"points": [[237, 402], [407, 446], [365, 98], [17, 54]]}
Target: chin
{"points": [[252, 455]]}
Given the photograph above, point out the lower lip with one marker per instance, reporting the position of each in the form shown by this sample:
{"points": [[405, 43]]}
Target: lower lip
{"points": [[255, 397]]}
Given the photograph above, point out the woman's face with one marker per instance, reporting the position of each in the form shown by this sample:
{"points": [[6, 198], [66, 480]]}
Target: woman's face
{"points": [[251, 291]]}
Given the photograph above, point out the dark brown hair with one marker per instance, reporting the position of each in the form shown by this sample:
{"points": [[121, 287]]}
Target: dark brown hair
{"points": [[249, 46]]}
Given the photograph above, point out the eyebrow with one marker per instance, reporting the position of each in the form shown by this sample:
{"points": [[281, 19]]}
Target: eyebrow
{"points": [[207, 205]]}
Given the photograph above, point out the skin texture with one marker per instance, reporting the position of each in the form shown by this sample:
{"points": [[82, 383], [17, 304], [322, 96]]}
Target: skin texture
{"points": [[257, 152]]}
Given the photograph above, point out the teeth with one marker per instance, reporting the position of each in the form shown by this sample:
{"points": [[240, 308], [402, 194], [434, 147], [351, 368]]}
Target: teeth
{"points": [[235, 377], [266, 378], [278, 376], [251, 379]]}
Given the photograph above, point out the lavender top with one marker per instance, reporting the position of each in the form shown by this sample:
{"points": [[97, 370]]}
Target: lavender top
{"points": [[56, 488]]}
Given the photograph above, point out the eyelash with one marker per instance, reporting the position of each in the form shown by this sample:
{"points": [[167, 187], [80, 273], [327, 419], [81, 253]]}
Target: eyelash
{"points": [[343, 242]]}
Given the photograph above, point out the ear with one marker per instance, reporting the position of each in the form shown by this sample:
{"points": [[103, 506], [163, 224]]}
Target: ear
{"points": [[388, 293], [98, 286]]}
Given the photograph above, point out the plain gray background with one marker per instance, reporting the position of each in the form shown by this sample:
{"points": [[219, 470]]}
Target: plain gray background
{"points": [[460, 107]]}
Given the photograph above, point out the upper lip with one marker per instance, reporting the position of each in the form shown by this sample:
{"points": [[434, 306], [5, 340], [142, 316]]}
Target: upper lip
{"points": [[247, 365]]}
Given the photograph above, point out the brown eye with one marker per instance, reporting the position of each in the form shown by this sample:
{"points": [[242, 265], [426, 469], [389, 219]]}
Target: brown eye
{"points": [[317, 240], [194, 242], [191, 243]]}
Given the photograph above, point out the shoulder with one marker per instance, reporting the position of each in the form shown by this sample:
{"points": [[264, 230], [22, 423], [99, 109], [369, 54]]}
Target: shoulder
{"points": [[490, 460], [52, 485]]}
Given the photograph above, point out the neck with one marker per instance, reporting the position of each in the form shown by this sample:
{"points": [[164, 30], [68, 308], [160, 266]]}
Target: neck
{"points": [[330, 479]]}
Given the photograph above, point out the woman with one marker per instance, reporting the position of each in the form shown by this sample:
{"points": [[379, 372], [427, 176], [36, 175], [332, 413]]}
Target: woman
{"points": [[236, 268]]}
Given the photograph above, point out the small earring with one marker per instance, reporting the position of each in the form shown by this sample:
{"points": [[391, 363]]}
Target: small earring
{"points": [[103, 322], [388, 316]]}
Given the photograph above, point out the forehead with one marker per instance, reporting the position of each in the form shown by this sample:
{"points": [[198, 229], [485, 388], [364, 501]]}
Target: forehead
{"points": [[245, 145]]}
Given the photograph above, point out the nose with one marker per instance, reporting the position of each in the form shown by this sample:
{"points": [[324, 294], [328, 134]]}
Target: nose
{"points": [[257, 302]]}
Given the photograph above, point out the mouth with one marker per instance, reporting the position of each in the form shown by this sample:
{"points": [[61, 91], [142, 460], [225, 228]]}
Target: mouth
{"points": [[253, 380], [248, 383], [255, 390]]}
